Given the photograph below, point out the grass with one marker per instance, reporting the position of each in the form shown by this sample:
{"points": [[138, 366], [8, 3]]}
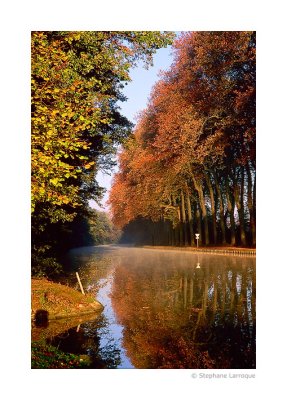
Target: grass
{"points": [[48, 357], [60, 301]]}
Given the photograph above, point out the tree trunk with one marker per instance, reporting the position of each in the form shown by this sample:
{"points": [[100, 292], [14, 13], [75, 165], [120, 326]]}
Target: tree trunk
{"points": [[198, 220], [213, 206], [230, 207], [250, 205], [199, 189], [177, 228], [168, 234], [242, 219], [180, 228], [189, 216], [238, 195], [183, 218], [221, 209]]}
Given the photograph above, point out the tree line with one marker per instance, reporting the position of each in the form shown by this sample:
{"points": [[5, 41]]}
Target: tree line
{"points": [[190, 166], [76, 124]]}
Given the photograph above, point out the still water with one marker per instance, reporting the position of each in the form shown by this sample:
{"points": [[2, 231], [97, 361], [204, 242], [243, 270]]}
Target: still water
{"points": [[165, 309]]}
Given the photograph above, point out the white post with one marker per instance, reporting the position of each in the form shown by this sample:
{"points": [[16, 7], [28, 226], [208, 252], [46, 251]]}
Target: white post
{"points": [[80, 283], [197, 237]]}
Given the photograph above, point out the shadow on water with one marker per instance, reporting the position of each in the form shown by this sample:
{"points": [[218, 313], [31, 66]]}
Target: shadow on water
{"points": [[165, 309]]}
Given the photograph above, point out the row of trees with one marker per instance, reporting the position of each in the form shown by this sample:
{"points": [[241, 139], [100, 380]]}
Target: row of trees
{"points": [[190, 165], [77, 78]]}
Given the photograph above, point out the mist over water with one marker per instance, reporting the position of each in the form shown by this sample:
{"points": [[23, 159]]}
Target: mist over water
{"points": [[167, 308]]}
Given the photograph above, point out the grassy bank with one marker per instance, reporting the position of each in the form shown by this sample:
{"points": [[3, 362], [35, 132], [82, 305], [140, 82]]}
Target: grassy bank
{"points": [[55, 308], [54, 300], [49, 357]]}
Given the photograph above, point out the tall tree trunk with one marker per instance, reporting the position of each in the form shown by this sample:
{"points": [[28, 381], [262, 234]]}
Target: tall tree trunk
{"points": [[213, 206], [179, 228], [171, 235], [199, 189], [177, 235], [250, 205], [198, 220], [183, 217], [176, 225], [189, 217], [221, 208], [164, 232], [238, 195], [242, 214], [230, 208]]}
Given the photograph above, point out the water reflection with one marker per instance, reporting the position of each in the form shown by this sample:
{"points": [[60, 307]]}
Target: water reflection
{"points": [[99, 339], [166, 309], [178, 313], [86, 339]]}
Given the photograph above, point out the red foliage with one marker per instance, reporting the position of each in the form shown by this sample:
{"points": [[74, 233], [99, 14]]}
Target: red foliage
{"points": [[201, 115]]}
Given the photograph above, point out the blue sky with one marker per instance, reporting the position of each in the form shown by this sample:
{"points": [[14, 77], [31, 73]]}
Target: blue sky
{"points": [[138, 91]]}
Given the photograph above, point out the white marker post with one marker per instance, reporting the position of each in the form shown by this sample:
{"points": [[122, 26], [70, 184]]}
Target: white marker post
{"points": [[80, 283], [197, 237]]}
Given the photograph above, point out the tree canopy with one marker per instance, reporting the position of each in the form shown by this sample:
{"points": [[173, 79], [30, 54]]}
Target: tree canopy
{"points": [[77, 78], [191, 161]]}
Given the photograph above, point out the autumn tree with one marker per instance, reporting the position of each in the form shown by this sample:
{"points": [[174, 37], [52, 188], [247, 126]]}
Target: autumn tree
{"points": [[193, 153], [77, 79]]}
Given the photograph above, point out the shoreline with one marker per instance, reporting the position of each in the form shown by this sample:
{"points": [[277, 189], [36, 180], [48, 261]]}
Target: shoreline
{"points": [[54, 301], [239, 251]]}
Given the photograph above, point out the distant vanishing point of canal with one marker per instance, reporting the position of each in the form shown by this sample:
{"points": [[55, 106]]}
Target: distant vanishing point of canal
{"points": [[165, 309]]}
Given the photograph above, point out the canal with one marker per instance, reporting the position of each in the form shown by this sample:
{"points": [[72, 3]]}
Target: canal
{"points": [[164, 309]]}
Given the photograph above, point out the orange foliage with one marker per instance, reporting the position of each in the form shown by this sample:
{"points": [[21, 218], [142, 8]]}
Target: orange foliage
{"points": [[201, 115]]}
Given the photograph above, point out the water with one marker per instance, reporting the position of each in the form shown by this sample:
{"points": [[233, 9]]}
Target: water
{"points": [[165, 309]]}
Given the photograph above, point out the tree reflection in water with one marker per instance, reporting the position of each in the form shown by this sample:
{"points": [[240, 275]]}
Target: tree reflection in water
{"points": [[169, 309], [178, 316], [93, 338], [86, 339]]}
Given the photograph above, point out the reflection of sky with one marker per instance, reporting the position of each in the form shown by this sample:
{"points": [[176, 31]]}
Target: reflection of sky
{"points": [[113, 336]]}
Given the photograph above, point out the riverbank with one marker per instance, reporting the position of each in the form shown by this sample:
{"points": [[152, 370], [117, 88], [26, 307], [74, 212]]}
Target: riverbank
{"points": [[49, 357], [55, 308], [54, 301], [221, 250]]}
